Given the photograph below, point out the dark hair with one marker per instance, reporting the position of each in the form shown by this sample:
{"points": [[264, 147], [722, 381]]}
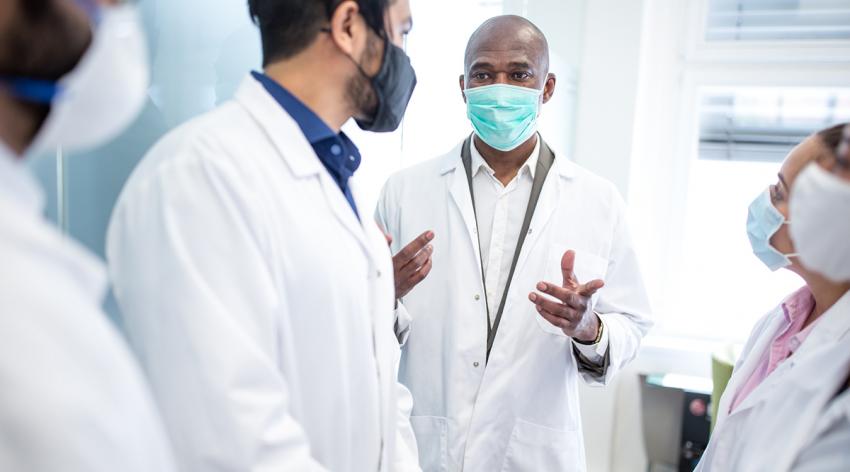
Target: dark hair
{"points": [[287, 27], [832, 136]]}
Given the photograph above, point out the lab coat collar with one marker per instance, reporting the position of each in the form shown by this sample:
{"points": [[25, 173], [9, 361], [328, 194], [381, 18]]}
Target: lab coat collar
{"points": [[17, 183], [478, 162], [828, 339], [563, 166], [299, 155], [281, 129]]}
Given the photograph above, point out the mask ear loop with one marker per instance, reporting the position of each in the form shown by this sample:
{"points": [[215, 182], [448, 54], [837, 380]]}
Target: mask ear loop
{"points": [[42, 92], [356, 64]]}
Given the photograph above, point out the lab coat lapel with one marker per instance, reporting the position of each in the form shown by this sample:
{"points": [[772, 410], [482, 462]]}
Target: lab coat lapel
{"points": [[458, 187], [746, 369], [817, 371], [550, 196], [296, 151]]}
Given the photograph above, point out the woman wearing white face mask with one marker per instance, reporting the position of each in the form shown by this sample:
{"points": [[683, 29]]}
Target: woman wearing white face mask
{"points": [[72, 397], [773, 412], [821, 233]]}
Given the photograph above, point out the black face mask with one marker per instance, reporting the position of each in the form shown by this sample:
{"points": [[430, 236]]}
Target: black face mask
{"points": [[393, 86]]}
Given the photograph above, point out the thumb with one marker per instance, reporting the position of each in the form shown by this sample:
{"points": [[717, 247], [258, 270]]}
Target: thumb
{"points": [[590, 288]]}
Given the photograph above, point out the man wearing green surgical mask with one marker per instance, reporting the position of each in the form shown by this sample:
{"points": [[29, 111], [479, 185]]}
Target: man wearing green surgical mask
{"points": [[534, 282]]}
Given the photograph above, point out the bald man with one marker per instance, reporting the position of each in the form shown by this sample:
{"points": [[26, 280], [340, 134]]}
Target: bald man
{"points": [[534, 282]]}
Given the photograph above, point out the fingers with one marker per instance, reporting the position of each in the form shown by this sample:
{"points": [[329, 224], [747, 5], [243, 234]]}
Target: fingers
{"points": [[404, 286], [416, 263], [567, 264], [590, 288], [570, 312], [565, 295], [414, 247]]}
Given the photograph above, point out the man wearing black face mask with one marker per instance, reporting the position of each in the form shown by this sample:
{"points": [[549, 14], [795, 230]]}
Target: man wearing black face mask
{"points": [[258, 299]]}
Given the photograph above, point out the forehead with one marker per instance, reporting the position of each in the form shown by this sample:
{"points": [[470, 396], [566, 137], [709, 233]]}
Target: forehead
{"points": [[504, 45], [799, 157]]}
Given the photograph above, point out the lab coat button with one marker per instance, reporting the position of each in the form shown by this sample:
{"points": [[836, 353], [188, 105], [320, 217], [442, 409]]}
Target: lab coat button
{"points": [[475, 364], [379, 274], [477, 297]]}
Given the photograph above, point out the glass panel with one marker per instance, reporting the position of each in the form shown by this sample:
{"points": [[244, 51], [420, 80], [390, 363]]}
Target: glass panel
{"points": [[763, 124], [747, 20]]}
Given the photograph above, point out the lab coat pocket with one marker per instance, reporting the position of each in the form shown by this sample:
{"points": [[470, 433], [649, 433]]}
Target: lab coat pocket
{"points": [[533, 447], [432, 440], [587, 267]]}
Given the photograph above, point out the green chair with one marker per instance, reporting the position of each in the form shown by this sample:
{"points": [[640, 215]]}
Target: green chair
{"points": [[722, 363]]}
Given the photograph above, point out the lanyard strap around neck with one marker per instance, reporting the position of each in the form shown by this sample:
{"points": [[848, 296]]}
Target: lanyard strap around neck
{"points": [[544, 163]]}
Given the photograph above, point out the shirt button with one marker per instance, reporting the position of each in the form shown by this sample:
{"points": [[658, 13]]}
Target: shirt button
{"points": [[477, 297], [351, 158], [475, 364], [336, 150]]}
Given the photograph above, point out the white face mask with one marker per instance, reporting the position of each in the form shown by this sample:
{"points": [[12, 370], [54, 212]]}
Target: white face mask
{"points": [[105, 92], [820, 206]]}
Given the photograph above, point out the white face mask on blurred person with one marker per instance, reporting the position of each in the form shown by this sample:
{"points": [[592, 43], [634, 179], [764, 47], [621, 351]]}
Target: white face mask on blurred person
{"points": [[105, 92], [820, 207]]}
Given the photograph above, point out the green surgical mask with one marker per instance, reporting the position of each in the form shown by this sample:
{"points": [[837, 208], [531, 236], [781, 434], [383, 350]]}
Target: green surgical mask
{"points": [[503, 116]]}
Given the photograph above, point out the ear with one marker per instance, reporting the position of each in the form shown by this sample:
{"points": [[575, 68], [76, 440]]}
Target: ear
{"points": [[549, 87], [462, 82], [344, 25]]}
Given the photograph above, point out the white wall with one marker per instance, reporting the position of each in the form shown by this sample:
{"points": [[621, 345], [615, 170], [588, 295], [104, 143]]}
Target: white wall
{"points": [[608, 87]]}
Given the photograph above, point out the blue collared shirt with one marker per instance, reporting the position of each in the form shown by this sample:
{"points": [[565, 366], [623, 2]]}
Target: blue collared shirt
{"points": [[336, 151]]}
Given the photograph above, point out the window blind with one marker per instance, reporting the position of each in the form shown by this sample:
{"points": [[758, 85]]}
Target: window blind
{"points": [[765, 124], [748, 20]]}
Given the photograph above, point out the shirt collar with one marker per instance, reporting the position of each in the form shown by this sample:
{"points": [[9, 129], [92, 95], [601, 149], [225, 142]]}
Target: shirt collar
{"points": [[479, 164], [17, 182], [799, 304], [311, 125]]}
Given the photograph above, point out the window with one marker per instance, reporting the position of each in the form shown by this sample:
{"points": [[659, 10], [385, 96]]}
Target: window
{"points": [[720, 111], [763, 123], [778, 20]]}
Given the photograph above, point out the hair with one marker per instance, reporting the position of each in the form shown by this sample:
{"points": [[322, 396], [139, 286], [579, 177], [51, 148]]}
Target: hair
{"points": [[287, 27], [831, 137]]}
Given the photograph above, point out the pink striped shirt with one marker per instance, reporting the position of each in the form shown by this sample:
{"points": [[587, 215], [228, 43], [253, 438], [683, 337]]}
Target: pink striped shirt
{"points": [[787, 340]]}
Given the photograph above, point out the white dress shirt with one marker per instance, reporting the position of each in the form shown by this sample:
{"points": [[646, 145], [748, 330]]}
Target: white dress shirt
{"points": [[499, 212]]}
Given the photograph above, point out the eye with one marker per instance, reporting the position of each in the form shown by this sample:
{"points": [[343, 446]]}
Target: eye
{"points": [[521, 76], [480, 75]]}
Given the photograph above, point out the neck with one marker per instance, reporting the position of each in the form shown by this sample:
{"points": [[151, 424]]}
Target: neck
{"points": [[308, 79], [19, 122], [825, 292], [505, 164]]}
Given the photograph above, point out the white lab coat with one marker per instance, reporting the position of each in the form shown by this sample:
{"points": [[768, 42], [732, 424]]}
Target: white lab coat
{"points": [[785, 415], [261, 309], [72, 397], [521, 413]]}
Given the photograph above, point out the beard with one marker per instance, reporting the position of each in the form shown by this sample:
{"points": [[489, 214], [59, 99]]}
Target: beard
{"points": [[360, 93], [45, 40]]}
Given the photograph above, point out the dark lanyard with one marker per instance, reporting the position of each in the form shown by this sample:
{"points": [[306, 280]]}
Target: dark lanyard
{"points": [[544, 163]]}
